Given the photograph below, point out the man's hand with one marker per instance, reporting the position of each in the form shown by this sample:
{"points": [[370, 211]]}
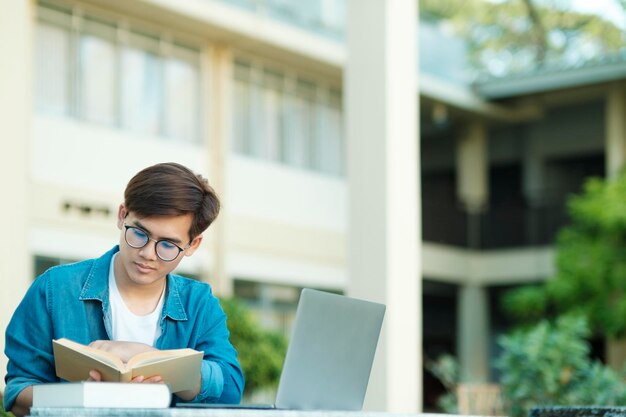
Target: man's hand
{"points": [[123, 350], [95, 376]]}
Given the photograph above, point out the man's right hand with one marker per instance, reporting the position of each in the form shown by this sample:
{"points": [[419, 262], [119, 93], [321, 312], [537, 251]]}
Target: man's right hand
{"points": [[95, 376]]}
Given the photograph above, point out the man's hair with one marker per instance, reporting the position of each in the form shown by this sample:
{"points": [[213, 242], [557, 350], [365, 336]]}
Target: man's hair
{"points": [[170, 189]]}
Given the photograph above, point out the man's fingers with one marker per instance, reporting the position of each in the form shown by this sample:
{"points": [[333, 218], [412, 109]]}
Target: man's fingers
{"points": [[94, 376], [157, 379]]}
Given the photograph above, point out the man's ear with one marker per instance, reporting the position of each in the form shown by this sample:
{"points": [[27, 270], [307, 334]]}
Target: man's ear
{"points": [[121, 215], [195, 243]]}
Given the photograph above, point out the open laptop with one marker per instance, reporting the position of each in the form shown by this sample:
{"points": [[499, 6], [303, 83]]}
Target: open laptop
{"points": [[330, 354]]}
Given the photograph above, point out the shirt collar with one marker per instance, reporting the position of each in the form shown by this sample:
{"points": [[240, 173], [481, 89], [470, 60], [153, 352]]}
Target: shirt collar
{"points": [[96, 287]]}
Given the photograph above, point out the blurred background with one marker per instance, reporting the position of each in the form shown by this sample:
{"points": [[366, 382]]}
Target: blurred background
{"points": [[520, 101]]}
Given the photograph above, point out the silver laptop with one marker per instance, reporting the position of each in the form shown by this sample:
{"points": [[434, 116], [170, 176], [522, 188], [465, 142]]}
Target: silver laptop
{"points": [[330, 354]]}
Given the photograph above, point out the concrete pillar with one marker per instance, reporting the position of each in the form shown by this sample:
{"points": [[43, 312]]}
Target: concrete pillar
{"points": [[473, 333], [473, 167], [615, 123], [16, 26], [473, 192], [220, 132], [383, 181], [473, 177]]}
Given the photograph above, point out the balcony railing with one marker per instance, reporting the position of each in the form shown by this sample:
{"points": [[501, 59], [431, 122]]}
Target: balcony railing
{"points": [[507, 226], [322, 17]]}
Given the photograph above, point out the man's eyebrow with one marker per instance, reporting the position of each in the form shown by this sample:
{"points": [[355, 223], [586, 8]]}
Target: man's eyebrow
{"points": [[138, 224]]}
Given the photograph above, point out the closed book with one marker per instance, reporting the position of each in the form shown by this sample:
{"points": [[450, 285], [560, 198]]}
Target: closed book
{"points": [[101, 395], [179, 368]]}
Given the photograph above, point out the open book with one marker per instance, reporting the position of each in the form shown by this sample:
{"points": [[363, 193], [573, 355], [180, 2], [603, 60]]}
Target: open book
{"points": [[179, 368]]}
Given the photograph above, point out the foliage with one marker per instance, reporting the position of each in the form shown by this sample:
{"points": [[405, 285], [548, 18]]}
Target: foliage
{"points": [[261, 352], [446, 369], [549, 364], [510, 36], [590, 263], [2, 412], [544, 364]]}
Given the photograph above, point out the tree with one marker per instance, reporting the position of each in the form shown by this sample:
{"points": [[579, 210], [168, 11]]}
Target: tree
{"points": [[590, 264], [261, 352], [522, 35]]}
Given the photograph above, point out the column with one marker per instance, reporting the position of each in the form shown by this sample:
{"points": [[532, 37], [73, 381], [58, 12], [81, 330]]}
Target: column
{"points": [[384, 243], [16, 22], [220, 131], [473, 192], [473, 333], [615, 123], [473, 177]]}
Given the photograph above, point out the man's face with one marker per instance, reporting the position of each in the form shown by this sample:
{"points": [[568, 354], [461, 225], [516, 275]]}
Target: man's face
{"points": [[142, 266]]}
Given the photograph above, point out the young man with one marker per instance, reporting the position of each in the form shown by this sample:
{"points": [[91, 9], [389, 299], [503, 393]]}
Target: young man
{"points": [[127, 301]]}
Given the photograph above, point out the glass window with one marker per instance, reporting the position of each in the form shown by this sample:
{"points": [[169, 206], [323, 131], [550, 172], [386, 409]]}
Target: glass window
{"points": [[328, 143], [297, 147], [43, 263], [277, 117], [182, 86], [333, 14], [52, 62], [241, 128], [142, 85], [97, 69]]}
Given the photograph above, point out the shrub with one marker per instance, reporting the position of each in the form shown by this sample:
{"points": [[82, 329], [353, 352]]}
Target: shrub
{"points": [[545, 364], [549, 364], [261, 352]]}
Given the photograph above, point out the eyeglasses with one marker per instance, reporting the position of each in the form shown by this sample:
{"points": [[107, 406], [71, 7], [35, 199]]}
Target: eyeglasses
{"points": [[165, 250]]}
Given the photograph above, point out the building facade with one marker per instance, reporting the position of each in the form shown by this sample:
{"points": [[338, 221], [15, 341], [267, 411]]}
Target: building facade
{"points": [[251, 94]]}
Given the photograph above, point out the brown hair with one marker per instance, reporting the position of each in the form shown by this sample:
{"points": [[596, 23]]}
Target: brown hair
{"points": [[171, 189]]}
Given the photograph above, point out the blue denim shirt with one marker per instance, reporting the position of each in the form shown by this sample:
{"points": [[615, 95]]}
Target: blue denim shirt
{"points": [[72, 301]]}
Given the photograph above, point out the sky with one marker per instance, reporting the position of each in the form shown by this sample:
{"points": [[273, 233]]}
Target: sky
{"points": [[608, 9]]}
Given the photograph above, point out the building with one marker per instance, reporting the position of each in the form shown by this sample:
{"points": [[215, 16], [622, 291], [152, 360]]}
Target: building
{"points": [[251, 94]]}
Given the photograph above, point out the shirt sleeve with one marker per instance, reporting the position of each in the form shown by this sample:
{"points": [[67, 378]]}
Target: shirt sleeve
{"points": [[222, 377], [27, 343]]}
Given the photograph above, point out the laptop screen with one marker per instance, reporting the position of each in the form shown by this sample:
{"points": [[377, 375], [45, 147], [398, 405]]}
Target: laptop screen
{"points": [[330, 354]]}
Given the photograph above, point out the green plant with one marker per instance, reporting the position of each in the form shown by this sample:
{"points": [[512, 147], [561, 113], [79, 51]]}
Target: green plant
{"points": [[446, 369], [261, 352], [2, 412], [549, 364], [590, 264]]}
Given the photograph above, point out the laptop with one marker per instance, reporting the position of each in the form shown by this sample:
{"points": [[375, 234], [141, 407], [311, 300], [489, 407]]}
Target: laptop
{"points": [[330, 354]]}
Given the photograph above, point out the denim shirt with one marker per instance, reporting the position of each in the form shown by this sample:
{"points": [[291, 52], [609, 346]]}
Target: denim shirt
{"points": [[72, 301]]}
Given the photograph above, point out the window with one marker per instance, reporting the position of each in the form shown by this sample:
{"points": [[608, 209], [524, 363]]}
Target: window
{"points": [[142, 84], [97, 72], [52, 77], [182, 85], [329, 151], [281, 118], [43, 263], [274, 306], [107, 72]]}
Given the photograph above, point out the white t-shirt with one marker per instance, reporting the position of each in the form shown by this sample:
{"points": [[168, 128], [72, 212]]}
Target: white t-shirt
{"points": [[126, 325]]}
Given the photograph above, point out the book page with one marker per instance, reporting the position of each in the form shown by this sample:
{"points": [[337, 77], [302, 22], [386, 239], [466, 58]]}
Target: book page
{"points": [[181, 373], [99, 355], [156, 356], [74, 365]]}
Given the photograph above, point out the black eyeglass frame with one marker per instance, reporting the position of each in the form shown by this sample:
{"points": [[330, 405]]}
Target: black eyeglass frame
{"points": [[156, 243]]}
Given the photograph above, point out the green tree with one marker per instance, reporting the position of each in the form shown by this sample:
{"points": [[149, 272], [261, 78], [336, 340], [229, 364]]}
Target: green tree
{"points": [[590, 264], [261, 352], [522, 35]]}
